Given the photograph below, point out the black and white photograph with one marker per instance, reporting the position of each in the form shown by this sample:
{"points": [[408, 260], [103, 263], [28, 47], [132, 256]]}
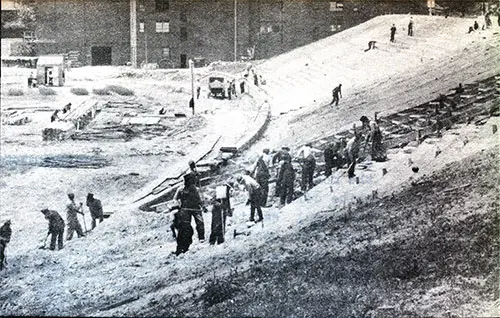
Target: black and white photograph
{"points": [[250, 158]]}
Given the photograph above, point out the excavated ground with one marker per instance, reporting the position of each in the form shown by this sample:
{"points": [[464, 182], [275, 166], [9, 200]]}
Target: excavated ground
{"points": [[430, 250]]}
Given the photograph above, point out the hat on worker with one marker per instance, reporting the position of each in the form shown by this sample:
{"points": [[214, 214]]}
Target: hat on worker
{"points": [[364, 119]]}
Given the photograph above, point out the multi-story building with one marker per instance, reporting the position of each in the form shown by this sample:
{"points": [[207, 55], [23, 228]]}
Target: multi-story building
{"points": [[170, 32]]}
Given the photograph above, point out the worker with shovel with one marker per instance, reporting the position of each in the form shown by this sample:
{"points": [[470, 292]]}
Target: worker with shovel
{"points": [[95, 208], [56, 228], [72, 218]]}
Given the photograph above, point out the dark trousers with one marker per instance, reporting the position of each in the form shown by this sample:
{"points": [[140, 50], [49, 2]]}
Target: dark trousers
{"points": [[3, 245], [335, 100], [255, 203], [392, 37], [72, 227], [352, 164], [217, 229], [94, 218], [200, 225], [307, 174], [286, 194], [57, 236], [264, 187], [184, 238]]}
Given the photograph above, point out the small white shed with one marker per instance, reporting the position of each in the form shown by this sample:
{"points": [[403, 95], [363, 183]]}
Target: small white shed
{"points": [[50, 70]]}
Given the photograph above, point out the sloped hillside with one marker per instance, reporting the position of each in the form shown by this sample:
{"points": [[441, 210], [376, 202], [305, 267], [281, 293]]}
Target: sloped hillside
{"points": [[431, 250], [392, 77]]}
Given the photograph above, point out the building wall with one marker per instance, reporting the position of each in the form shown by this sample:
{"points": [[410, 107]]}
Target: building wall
{"points": [[199, 28], [75, 25]]}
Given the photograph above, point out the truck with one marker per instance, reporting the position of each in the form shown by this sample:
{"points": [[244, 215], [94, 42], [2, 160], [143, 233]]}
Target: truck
{"points": [[219, 86]]}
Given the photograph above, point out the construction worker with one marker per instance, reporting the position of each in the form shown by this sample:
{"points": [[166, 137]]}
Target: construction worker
{"points": [[189, 200], [95, 208], [56, 228], [254, 196], [286, 178], [329, 160], [5, 234], [260, 173], [281, 155], [306, 157], [374, 135], [352, 152], [184, 235], [337, 94], [410, 27], [218, 223], [193, 170], [393, 33], [72, 212]]}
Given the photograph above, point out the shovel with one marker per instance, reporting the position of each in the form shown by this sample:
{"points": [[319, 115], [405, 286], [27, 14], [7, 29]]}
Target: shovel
{"points": [[44, 242]]}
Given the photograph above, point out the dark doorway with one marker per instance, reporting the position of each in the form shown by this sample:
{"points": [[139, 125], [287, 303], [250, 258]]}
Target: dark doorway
{"points": [[101, 55], [183, 61]]}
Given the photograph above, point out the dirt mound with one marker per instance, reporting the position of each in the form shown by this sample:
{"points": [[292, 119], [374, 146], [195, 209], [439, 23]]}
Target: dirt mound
{"points": [[430, 250]]}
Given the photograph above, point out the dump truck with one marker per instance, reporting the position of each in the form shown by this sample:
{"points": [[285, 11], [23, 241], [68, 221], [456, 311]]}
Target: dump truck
{"points": [[219, 86]]}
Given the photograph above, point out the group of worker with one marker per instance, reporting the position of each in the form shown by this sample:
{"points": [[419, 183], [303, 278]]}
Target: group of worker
{"points": [[256, 182], [57, 225]]}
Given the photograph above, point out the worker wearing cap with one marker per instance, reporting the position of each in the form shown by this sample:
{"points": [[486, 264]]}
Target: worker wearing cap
{"points": [[254, 196], [56, 228]]}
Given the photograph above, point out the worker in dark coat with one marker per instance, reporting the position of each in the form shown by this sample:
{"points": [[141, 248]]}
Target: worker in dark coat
{"points": [[393, 33], [72, 218], [5, 234], [56, 228], [283, 154], [190, 201], [329, 159], [218, 227], [337, 94], [261, 175], [95, 208], [308, 161], [182, 224], [286, 178], [254, 196]]}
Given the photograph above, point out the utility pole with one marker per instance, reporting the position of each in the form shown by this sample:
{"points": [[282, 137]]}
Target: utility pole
{"points": [[235, 30], [133, 33], [191, 102]]}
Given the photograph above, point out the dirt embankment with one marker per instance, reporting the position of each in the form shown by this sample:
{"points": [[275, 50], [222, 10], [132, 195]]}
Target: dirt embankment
{"points": [[430, 250]]}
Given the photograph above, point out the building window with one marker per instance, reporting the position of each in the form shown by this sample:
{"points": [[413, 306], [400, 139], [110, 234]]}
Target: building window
{"points": [[335, 27], [184, 34], [166, 52], [336, 6], [183, 16], [162, 27], [162, 5], [141, 27]]}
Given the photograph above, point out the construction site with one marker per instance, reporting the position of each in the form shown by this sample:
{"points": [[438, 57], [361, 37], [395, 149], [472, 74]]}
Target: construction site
{"points": [[416, 235]]}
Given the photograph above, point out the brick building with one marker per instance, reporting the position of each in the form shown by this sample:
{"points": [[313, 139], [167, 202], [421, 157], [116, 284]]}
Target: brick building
{"points": [[170, 32]]}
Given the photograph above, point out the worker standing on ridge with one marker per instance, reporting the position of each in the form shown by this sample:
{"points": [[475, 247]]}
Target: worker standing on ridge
{"points": [[306, 156], [72, 218], [336, 93], [328, 156], [281, 155], [286, 178], [393, 32], [260, 173], [56, 228], [218, 222], [352, 152], [410, 27], [95, 208], [254, 196], [374, 136], [190, 201]]}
